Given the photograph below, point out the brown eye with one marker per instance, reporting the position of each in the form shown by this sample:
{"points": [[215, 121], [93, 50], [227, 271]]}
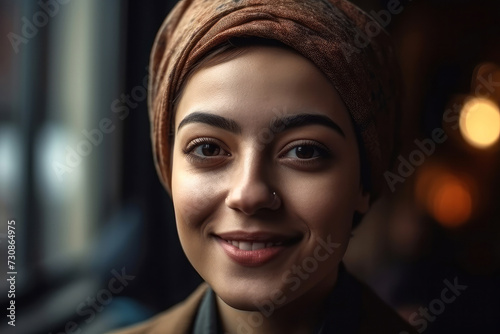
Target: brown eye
{"points": [[208, 149], [205, 148], [305, 152]]}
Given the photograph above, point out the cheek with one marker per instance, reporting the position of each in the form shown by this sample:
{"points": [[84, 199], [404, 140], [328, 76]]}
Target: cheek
{"points": [[326, 202], [191, 198], [193, 203]]}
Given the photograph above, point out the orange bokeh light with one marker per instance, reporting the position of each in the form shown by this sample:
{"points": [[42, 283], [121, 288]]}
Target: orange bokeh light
{"points": [[452, 202], [446, 196]]}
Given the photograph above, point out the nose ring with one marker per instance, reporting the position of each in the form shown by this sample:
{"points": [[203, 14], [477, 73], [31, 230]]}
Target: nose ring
{"points": [[276, 201]]}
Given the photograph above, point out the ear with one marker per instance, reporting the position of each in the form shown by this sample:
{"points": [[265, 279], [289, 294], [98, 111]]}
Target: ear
{"points": [[363, 201]]}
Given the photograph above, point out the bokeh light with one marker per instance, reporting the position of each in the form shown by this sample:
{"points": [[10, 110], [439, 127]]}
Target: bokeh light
{"points": [[480, 122], [447, 197], [452, 202]]}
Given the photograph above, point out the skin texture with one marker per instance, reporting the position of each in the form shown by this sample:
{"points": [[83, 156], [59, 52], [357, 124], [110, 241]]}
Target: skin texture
{"points": [[222, 181]]}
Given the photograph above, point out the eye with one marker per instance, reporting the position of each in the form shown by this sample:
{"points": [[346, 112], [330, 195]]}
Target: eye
{"points": [[207, 149], [306, 151], [303, 152], [306, 155], [202, 149]]}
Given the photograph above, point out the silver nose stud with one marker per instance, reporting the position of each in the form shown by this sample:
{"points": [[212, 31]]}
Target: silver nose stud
{"points": [[276, 201]]}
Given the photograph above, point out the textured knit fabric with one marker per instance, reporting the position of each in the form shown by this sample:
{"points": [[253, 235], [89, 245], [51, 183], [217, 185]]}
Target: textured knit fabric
{"points": [[346, 44]]}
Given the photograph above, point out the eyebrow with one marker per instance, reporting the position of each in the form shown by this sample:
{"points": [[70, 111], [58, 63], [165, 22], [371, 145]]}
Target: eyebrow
{"points": [[211, 119], [277, 125], [293, 121]]}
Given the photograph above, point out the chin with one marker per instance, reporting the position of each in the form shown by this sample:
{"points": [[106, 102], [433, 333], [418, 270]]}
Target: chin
{"points": [[242, 303], [248, 299]]}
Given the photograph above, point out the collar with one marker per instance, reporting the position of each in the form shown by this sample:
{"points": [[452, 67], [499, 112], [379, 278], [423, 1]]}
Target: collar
{"points": [[206, 321]]}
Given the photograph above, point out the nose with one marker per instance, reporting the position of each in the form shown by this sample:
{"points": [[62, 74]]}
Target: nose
{"points": [[250, 190]]}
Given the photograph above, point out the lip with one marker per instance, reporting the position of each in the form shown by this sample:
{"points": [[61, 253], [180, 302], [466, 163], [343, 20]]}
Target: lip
{"points": [[275, 244]]}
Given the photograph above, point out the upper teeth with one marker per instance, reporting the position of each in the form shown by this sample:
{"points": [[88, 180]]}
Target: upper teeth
{"points": [[246, 245]]}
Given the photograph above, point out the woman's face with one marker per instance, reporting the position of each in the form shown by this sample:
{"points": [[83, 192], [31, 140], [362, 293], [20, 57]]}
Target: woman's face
{"points": [[265, 121]]}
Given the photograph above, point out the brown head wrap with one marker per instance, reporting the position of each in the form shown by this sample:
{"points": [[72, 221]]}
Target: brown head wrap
{"points": [[347, 45]]}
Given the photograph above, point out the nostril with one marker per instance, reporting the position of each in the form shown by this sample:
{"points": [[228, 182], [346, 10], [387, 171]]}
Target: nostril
{"points": [[249, 201]]}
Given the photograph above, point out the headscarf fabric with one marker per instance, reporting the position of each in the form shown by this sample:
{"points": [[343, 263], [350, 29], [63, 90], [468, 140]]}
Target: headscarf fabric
{"points": [[345, 43]]}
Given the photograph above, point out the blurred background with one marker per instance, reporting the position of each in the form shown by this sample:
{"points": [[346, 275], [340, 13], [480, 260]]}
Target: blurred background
{"points": [[96, 245]]}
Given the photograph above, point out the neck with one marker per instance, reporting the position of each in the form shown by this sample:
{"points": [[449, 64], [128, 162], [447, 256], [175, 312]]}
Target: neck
{"points": [[306, 312]]}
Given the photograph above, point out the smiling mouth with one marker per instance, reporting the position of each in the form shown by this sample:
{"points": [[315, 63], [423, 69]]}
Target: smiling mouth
{"points": [[251, 246], [254, 249]]}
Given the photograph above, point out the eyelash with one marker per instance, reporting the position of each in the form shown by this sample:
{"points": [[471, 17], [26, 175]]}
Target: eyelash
{"points": [[195, 143], [323, 151]]}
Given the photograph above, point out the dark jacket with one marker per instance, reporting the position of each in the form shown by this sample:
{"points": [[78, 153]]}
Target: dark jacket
{"points": [[371, 315]]}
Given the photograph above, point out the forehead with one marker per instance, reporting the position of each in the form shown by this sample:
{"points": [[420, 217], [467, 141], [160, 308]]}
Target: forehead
{"points": [[259, 82]]}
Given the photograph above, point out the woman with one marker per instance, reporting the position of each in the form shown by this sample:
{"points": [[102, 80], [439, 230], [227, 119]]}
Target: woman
{"points": [[272, 122]]}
